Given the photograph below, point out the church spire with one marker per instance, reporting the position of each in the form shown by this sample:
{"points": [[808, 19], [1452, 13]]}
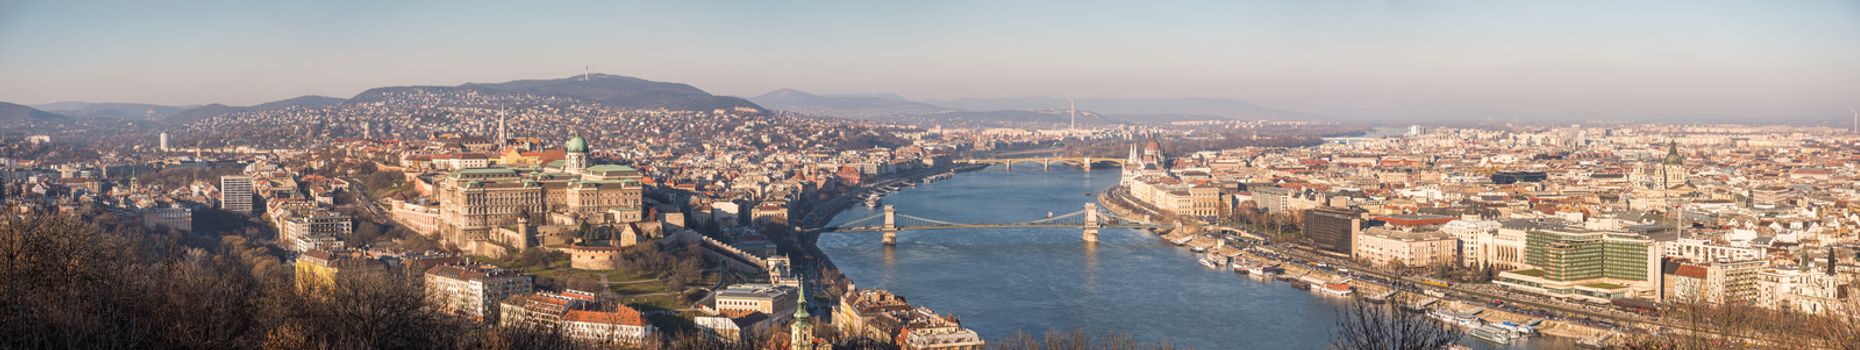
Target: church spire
{"points": [[800, 304], [1672, 154]]}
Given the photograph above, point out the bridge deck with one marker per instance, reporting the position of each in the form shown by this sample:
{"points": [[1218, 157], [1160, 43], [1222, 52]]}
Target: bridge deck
{"points": [[869, 228]]}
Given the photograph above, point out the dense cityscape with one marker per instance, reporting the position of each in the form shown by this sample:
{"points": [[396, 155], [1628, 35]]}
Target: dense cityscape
{"points": [[605, 211]]}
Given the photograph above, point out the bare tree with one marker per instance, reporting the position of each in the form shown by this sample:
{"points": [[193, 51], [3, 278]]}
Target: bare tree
{"points": [[1369, 326]]}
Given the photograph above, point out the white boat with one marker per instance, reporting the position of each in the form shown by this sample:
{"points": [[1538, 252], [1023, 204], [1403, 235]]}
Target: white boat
{"points": [[1210, 263], [1516, 328], [1462, 319], [1494, 333], [1182, 241], [1257, 270]]}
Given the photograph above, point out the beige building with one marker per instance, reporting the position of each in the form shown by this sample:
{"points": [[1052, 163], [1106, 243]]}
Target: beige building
{"points": [[474, 291], [1716, 282], [579, 315], [1383, 247], [739, 300]]}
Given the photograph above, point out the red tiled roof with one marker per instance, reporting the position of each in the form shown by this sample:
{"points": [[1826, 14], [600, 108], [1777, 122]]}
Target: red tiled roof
{"points": [[1692, 271], [621, 315]]}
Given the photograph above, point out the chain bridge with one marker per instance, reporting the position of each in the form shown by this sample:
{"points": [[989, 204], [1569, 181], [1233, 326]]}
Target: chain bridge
{"points": [[1089, 220]]}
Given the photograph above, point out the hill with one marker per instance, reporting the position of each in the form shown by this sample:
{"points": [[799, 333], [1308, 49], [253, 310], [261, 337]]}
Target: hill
{"points": [[613, 90], [847, 106], [10, 112]]}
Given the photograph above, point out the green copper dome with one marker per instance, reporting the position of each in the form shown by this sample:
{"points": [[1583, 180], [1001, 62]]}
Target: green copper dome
{"points": [[577, 144]]}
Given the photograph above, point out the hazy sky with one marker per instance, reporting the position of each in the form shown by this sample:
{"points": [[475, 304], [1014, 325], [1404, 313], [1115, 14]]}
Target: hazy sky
{"points": [[1573, 58]]}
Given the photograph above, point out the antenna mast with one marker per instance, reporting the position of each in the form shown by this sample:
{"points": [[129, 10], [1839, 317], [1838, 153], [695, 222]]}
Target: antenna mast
{"points": [[585, 72], [1075, 113], [1850, 109]]}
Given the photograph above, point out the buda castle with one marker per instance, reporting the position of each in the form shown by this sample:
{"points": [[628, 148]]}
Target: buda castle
{"points": [[474, 203]]}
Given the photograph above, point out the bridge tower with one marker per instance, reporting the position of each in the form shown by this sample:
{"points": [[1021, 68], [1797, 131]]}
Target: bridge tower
{"points": [[891, 225], [1046, 165], [1091, 222], [1086, 164]]}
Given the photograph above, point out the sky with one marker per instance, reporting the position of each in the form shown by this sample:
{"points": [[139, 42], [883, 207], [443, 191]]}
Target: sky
{"points": [[1584, 59]]}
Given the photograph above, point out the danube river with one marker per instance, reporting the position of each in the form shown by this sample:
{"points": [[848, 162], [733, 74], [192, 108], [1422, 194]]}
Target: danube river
{"points": [[1003, 281]]}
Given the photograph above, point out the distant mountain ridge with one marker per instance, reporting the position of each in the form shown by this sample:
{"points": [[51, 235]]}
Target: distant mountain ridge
{"points": [[847, 105], [1133, 107], [1022, 110], [114, 110]]}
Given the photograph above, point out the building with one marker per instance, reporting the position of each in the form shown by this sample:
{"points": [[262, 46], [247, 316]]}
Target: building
{"points": [[1333, 230], [1390, 248], [315, 229], [1693, 249], [177, 218], [164, 142], [580, 315], [1474, 237], [1803, 289], [740, 300], [882, 316], [319, 268], [1713, 282], [1594, 266], [870, 313], [236, 194], [474, 291], [801, 332], [474, 201]]}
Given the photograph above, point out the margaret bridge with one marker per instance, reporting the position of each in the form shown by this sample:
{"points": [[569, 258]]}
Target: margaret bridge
{"points": [[1089, 220], [1046, 163]]}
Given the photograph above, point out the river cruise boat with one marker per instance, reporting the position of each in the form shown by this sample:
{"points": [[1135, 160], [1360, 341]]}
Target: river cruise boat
{"points": [[1494, 333], [872, 201], [1462, 319], [1182, 241]]}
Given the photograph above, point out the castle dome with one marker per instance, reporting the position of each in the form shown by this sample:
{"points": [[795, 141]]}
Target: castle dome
{"points": [[577, 144]]}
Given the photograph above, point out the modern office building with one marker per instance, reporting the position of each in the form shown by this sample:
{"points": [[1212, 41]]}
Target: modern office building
{"points": [[236, 194], [1595, 266], [1333, 230]]}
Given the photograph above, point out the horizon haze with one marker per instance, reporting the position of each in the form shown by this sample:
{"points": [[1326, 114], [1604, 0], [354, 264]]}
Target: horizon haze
{"points": [[1728, 60]]}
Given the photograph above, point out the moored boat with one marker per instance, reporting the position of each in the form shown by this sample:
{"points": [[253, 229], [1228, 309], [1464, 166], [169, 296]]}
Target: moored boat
{"points": [[1493, 333], [1337, 289]]}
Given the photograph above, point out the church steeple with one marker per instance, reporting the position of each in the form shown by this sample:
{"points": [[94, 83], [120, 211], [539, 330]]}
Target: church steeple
{"points": [[800, 304], [801, 333], [1672, 154]]}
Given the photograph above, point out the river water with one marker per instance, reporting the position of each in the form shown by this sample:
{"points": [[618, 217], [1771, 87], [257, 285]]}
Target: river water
{"points": [[1003, 281]]}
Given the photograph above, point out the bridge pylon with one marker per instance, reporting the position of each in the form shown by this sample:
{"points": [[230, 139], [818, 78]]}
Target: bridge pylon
{"points": [[1091, 222], [891, 225], [1087, 164]]}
